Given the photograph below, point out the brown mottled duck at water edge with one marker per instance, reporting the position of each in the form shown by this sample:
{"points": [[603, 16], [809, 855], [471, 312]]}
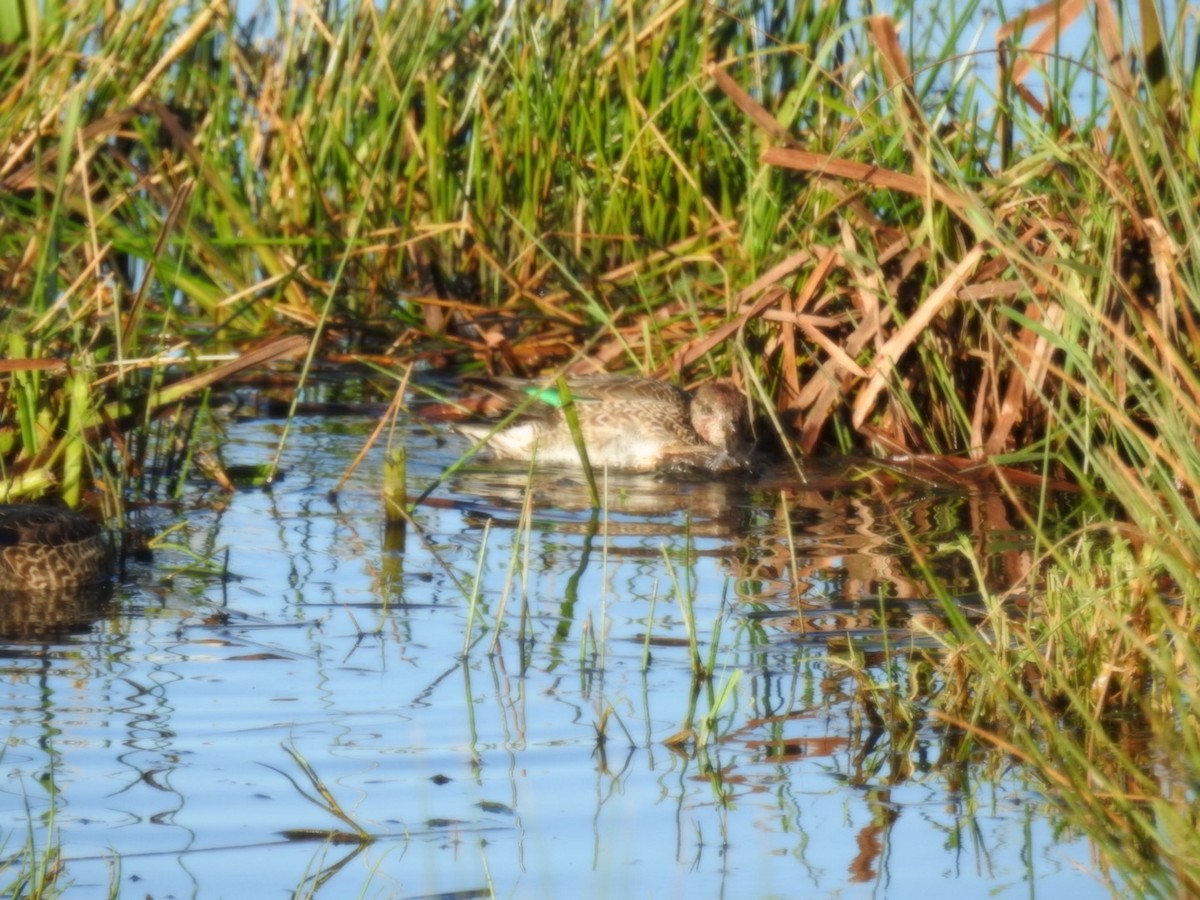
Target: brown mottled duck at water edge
{"points": [[637, 424]]}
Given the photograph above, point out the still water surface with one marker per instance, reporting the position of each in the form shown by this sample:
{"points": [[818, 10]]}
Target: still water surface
{"points": [[152, 745]]}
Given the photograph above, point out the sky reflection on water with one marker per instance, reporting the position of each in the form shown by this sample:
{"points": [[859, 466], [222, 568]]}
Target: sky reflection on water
{"points": [[163, 727]]}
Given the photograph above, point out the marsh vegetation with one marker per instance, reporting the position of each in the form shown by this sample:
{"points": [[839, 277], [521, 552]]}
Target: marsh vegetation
{"points": [[960, 249]]}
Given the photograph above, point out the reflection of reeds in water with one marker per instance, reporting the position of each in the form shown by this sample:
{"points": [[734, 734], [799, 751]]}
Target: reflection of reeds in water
{"points": [[812, 562], [815, 558], [869, 622], [828, 560], [914, 681], [636, 505]]}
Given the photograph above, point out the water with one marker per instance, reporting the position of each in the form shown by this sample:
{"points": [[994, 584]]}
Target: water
{"points": [[156, 745]]}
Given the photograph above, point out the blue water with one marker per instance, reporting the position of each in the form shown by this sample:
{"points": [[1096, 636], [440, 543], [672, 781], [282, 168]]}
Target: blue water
{"points": [[163, 727]]}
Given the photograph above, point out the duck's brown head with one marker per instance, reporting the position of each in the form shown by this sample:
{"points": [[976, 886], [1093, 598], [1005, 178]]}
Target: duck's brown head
{"points": [[721, 417]]}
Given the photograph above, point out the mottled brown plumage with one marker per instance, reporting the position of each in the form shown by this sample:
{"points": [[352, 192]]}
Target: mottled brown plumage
{"points": [[48, 549], [628, 423]]}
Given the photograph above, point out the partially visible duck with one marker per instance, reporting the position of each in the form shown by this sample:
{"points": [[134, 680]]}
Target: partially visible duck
{"points": [[43, 548]]}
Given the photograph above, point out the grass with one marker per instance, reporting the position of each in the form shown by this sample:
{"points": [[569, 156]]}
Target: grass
{"points": [[1091, 689], [894, 248], [33, 870]]}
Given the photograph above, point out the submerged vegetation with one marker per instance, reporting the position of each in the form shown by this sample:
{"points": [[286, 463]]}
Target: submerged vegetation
{"points": [[907, 235]]}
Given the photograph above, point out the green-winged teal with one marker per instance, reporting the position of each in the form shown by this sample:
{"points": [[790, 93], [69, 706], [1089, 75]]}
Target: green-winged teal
{"points": [[48, 549], [627, 423]]}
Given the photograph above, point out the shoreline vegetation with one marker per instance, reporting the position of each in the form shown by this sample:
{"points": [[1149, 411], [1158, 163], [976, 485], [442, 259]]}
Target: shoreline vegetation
{"points": [[896, 237]]}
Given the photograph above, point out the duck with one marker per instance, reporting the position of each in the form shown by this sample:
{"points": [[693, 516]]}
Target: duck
{"points": [[45, 548], [638, 424]]}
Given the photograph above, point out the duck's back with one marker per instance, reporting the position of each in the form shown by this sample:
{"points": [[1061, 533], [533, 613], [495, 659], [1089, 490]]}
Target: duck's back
{"points": [[48, 549]]}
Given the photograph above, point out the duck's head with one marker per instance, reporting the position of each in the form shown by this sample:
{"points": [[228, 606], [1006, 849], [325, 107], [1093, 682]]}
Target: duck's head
{"points": [[721, 417]]}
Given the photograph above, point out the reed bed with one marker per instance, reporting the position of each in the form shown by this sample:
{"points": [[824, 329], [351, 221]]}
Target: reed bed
{"points": [[901, 235]]}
